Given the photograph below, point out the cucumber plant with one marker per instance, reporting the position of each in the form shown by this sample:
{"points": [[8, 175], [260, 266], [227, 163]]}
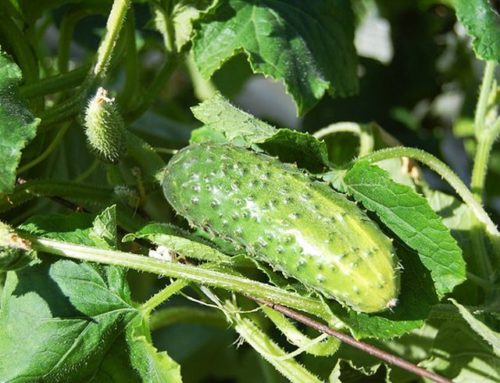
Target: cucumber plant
{"points": [[280, 215], [146, 222]]}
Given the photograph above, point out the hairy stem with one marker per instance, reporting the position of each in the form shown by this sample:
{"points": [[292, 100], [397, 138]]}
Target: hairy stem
{"points": [[162, 295], [368, 348], [189, 273], [50, 188], [113, 27], [485, 134], [269, 350], [64, 111], [53, 84], [480, 168], [88, 172], [484, 94]]}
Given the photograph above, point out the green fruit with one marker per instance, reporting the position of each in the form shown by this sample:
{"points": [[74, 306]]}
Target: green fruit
{"points": [[104, 127], [282, 217]]}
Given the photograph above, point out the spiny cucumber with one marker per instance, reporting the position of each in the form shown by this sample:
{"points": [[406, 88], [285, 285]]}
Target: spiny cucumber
{"points": [[283, 217], [104, 127]]}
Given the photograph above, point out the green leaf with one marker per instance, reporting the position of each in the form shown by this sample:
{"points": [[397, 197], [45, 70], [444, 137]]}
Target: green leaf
{"points": [[224, 123], [169, 237], [459, 354], [482, 21], [355, 359], [64, 227], [223, 120], [455, 215], [302, 148], [89, 291], [184, 14], [17, 124], [306, 44], [490, 336], [103, 231], [174, 241], [58, 322], [153, 366], [414, 346], [207, 134], [79, 312], [410, 217]]}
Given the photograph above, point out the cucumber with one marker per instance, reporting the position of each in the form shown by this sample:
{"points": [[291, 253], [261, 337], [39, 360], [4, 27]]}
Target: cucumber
{"points": [[283, 217], [104, 128]]}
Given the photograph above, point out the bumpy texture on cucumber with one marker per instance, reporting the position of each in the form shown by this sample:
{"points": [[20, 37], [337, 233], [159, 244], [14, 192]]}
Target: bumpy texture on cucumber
{"points": [[281, 216], [104, 127]]}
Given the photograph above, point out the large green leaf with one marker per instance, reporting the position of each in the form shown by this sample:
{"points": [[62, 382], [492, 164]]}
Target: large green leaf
{"points": [[409, 215], [306, 44], [460, 354], [481, 18], [228, 124], [17, 124], [184, 13], [70, 322], [58, 322], [490, 336], [153, 366], [224, 123]]}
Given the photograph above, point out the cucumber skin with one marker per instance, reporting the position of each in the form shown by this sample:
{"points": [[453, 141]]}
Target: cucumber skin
{"points": [[281, 216]]}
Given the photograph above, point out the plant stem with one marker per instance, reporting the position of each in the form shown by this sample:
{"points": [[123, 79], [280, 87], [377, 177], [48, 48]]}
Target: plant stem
{"points": [[365, 138], [485, 135], [297, 338], [176, 270], [484, 94], [88, 172], [368, 348], [54, 84], [480, 168], [20, 48], [52, 146], [166, 151], [274, 354], [72, 107], [113, 27], [128, 95], [445, 172], [66, 31], [482, 257], [162, 296], [156, 86], [49, 188], [62, 112]]}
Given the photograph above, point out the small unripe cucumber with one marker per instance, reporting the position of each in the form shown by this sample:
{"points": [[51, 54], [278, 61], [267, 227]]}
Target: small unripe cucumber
{"points": [[284, 218], [104, 127]]}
